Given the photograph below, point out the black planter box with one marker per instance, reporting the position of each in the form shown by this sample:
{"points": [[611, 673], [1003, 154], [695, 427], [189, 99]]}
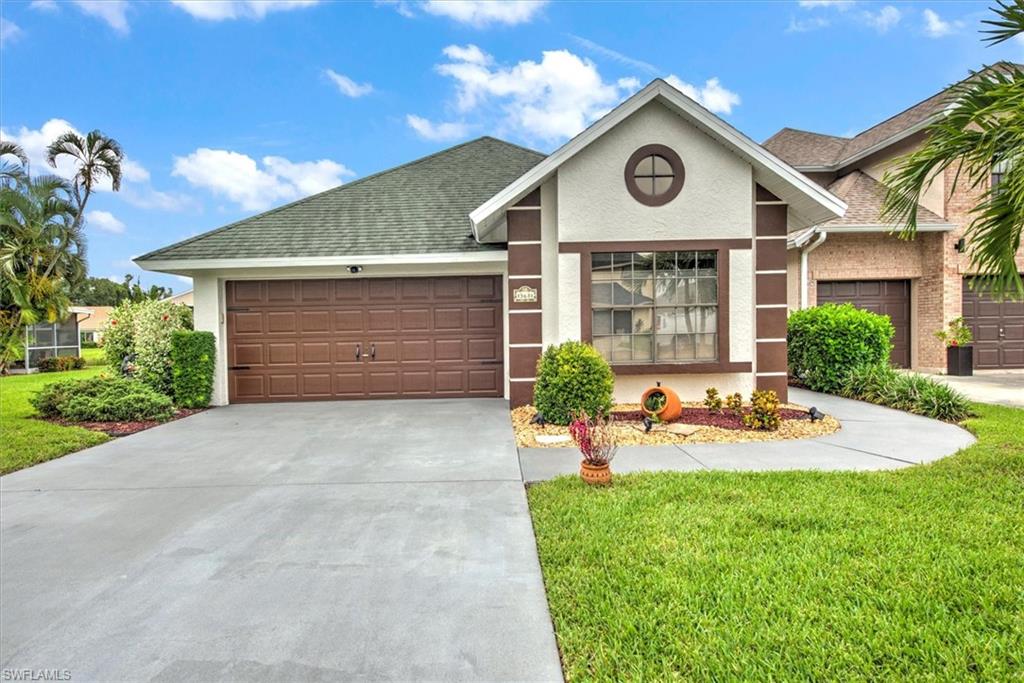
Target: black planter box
{"points": [[960, 361]]}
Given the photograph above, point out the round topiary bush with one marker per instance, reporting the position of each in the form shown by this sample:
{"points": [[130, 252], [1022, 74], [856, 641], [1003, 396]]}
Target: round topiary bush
{"points": [[572, 377], [827, 343]]}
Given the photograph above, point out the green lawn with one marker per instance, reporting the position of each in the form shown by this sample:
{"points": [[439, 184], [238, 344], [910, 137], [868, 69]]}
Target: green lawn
{"points": [[25, 441], [907, 575], [94, 357]]}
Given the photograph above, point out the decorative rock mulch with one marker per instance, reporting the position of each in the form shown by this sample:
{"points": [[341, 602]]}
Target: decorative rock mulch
{"points": [[127, 428], [710, 427]]}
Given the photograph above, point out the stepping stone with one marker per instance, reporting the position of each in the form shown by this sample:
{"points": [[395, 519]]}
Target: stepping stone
{"points": [[552, 438], [684, 429]]}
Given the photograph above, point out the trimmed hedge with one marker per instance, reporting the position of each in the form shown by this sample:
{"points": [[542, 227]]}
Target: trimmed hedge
{"points": [[826, 343], [192, 361], [913, 393], [102, 399], [61, 363], [572, 377]]}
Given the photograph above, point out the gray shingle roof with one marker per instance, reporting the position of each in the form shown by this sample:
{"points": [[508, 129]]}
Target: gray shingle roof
{"points": [[803, 148], [864, 196], [417, 208]]}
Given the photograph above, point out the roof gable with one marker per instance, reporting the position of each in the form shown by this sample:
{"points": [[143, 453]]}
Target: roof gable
{"points": [[809, 202], [418, 208]]}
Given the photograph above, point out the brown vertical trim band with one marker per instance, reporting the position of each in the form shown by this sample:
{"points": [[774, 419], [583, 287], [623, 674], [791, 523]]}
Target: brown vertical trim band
{"points": [[524, 317], [771, 220], [771, 227]]}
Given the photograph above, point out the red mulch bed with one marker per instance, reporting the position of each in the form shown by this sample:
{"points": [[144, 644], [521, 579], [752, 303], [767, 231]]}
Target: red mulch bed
{"points": [[126, 428], [702, 416]]}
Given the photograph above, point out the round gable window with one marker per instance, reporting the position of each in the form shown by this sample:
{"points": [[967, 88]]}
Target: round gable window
{"points": [[654, 175]]}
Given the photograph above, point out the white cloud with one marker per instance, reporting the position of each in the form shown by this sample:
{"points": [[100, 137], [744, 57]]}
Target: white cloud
{"points": [[712, 96], [615, 55], [841, 5], [884, 19], [43, 5], [113, 12], [481, 13], [805, 25], [219, 10], [146, 197], [547, 100], [9, 31], [428, 130], [252, 186], [105, 221], [347, 86], [936, 27]]}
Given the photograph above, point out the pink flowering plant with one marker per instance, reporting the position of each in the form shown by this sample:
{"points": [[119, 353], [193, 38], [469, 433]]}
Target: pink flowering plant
{"points": [[594, 437]]}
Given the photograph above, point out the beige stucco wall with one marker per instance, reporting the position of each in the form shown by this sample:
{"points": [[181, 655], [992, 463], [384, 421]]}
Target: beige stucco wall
{"points": [[593, 204], [569, 299], [629, 388], [741, 306], [550, 281]]}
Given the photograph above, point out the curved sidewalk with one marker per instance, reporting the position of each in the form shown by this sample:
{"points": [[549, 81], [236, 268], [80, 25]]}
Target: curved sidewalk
{"points": [[872, 438]]}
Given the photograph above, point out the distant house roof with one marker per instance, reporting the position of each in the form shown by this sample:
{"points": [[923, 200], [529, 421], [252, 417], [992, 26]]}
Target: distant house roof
{"points": [[864, 196], [421, 207], [806, 150]]}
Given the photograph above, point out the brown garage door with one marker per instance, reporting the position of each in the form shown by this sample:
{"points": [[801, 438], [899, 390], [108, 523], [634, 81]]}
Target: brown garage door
{"points": [[314, 340], [888, 297], [998, 328]]}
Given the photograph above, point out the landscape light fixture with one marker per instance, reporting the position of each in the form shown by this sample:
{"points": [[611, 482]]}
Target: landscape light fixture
{"points": [[648, 423], [815, 414]]}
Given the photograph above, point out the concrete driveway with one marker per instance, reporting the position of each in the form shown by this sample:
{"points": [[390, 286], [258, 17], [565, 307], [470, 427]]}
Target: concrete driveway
{"points": [[315, 541], [1005, 387]]}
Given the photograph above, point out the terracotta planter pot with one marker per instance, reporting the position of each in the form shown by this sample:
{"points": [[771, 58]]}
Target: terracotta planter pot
{"points": [[672, 408], [595, 475]]}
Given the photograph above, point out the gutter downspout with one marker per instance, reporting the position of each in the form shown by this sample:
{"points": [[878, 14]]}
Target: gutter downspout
{"points": [[804, 295]]}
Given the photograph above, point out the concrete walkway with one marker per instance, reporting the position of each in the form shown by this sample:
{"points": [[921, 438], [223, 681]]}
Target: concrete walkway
{"points": [[872, 438], [290, 542], [1004, 387]]}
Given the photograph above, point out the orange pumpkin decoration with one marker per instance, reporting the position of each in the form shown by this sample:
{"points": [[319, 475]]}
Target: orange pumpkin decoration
{"points": [[671, 409]]}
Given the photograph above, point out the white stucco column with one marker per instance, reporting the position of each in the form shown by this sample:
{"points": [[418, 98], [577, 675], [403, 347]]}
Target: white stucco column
{"points": [[209, 316]]}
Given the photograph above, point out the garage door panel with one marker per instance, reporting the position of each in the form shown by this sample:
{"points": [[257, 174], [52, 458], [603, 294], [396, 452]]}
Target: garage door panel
{"points": [[885, 297], [282, 353], [998, 328], [282, 322], [365, 338]]}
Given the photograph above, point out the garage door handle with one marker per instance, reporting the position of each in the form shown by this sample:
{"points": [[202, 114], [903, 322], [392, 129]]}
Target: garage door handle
{"points": [[373, 351], [239, 367], [359, 351]]}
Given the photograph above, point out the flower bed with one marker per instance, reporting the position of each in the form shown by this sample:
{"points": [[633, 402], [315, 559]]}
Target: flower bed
{"points": [[720, 427], [125, 428]]}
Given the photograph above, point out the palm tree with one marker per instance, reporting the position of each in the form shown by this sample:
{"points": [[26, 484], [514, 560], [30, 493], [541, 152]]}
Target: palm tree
{"points": [[41, 252], [12, 174], [96, 157], [981, 129]]}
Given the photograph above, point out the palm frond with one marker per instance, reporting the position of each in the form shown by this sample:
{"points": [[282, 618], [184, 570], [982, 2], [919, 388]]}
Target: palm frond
{"points": [[1009, 24]]}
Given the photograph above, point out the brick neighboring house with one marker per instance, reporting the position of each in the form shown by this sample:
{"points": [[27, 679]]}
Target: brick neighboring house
{"points": [[921, 284]]}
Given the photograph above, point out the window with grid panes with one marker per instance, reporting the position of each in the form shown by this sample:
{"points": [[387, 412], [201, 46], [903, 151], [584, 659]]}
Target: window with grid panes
{"points": [[655, 307]]}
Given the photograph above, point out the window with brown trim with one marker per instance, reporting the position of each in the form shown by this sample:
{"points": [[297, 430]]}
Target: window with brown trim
{"points": [[654, 175], [655, 307]]}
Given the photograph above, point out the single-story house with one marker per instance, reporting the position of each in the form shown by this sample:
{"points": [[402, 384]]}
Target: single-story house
{"points": [[45, 340], [91, 324], [185, 298], [921, 284], [659, 234]]}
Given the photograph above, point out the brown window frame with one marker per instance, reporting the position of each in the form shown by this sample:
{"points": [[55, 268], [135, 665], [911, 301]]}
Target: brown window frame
{"points": [[674, 162], [586, 249]]}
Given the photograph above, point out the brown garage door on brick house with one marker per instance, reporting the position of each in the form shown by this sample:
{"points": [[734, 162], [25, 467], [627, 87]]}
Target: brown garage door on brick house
{"points": [[888, 297], [998, 328], [295, 340]]}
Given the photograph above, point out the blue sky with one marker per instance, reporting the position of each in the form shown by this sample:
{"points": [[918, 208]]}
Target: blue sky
{"points": [[227, 108]]}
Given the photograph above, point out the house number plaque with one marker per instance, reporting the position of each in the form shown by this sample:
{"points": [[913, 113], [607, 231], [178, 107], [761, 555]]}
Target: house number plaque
{"points": [[524, 295]]}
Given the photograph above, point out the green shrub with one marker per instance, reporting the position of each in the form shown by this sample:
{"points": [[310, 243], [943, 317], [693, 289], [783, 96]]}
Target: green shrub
{"points": [[102, 399], [119, 334], [192, 362], [764, 411], [572, 377], [89, 344], [910, 392], [734, 403], [61, 363], [827, 342], [712, 401]]}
